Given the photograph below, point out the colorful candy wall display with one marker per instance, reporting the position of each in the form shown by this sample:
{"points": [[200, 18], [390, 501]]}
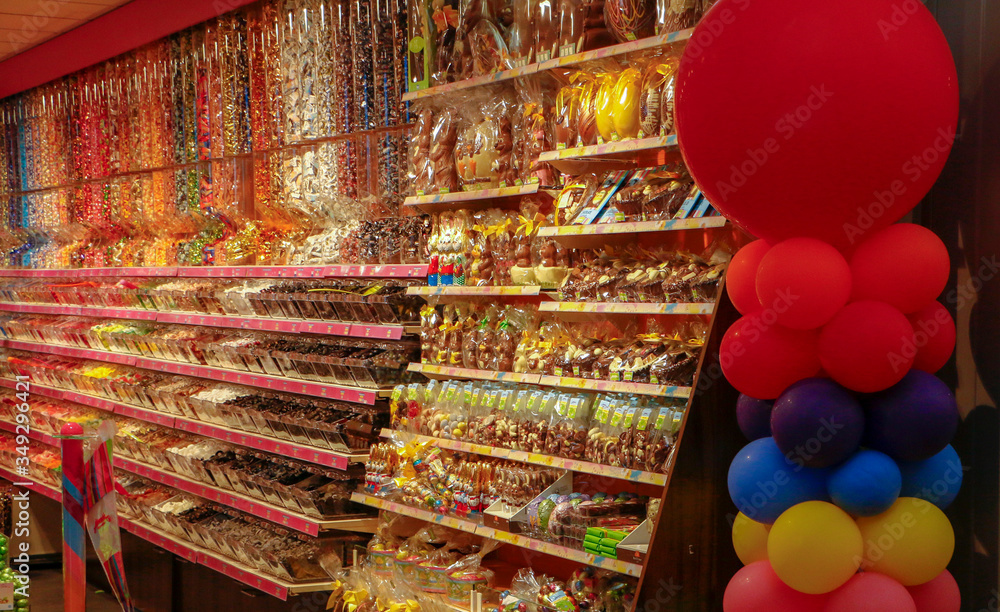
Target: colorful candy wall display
{"points": [[822, 509], [233, 142]]}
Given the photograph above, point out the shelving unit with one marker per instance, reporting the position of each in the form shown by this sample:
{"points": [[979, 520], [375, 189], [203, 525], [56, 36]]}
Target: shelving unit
{"points": [[635, 227], [582, 467], [617, 154], [622, 567], [566, 61], [261, 509], [627, 308], [563, 382], [311, 454], [469, 291], [483, 198], [274, 383], [337, 271], [299, 326], [32, 485]]}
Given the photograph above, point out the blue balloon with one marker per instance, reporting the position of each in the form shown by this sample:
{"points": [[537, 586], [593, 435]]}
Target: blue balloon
{"points": [[754, 416], [866, 484], [913, 419], [937, 479], [817, 422], [763, 483]]}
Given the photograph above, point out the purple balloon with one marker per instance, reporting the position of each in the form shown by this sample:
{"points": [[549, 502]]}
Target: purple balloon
{"points": [[754, 417], [817, 423], [913, 419]]}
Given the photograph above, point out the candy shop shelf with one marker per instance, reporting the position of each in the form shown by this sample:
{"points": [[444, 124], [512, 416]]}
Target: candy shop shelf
{"points": [[622, 567], [622, 153], [582, 467], [560, 62], [432, 371], [563, 382], [468, 291], [636, 227], [267, 444], [608, 386], [357, 395], [483, 198], [351, 330], [260, 509], [627, 308], [44, 438], [339, 271], [32, 485], [237, 571]]}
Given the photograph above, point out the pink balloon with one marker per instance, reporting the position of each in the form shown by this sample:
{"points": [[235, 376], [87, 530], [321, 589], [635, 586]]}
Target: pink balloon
{"points": [[756, 588], [871, 592], [805, 281], [938, 595], [741, 276]]}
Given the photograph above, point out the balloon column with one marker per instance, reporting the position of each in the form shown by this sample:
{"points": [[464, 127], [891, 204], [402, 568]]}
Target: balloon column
{"points": [[817, 126]]}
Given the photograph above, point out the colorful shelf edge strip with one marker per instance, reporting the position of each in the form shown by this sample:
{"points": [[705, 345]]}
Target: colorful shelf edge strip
{"points": [[609, 148], [262, 443], [454, 197], [622, 567], [636, 227], [353, 330], [559, 62], [340, 271], [473, 291], [32, 485], [582, 467], [287, 385], [628, 308]]}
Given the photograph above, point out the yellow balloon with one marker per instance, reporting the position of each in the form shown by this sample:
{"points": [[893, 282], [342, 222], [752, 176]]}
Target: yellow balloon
{"points": [[814, 547], [750, 539], [912, 541]]}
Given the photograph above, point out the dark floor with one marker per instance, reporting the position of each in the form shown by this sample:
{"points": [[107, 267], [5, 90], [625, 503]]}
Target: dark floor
{"points": [[47, 594]]}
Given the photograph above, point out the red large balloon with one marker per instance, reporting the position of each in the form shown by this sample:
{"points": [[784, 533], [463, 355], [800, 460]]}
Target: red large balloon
{"points": [[867, 346], [938, 595], [934, 335], [761, 358], [905, 265], [871, 592], [741, 276], [791, 132], [806, 281], [756, 588]]}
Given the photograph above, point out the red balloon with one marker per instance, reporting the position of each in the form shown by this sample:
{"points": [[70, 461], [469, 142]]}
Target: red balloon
{"points": [[741, 276], [790, 132], [934, 335], [761, 358], [867, 346], [805, 281], [905, 265], [756, 588], [871, 592], [938, 595]]}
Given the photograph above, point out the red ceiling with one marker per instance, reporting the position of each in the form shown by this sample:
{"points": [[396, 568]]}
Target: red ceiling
{"points": [[125, 28]]}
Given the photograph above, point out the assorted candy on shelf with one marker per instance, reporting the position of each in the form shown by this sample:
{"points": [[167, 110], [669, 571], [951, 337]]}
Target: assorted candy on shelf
{"points": [[587, 589], [637, 432], [243, 538], [649, 194], [365, 363], [299, 487], [44, 462], [324, 424], [519, 339]]}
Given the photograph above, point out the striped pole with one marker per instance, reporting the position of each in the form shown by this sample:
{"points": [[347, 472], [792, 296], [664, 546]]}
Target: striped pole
{"points": [[74, 530]]}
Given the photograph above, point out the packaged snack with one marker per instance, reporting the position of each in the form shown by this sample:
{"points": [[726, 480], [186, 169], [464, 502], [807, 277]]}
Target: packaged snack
{"points": [[625, 104], [630, 19], [581, 26], [547, 33], [444, 136]]}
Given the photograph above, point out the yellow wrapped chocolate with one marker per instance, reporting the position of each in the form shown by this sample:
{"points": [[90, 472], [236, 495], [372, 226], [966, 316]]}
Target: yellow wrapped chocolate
{"points": [[625, 103], [604, 114]]}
